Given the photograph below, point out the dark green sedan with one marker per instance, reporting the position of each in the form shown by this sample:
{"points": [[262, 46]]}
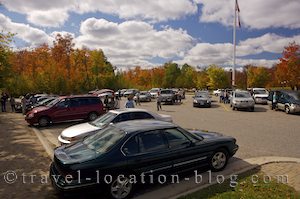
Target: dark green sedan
{"points": [[109, 158]]}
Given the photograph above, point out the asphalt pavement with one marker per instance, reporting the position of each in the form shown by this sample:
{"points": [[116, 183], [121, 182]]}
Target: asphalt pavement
{"points": [[263, 132]]}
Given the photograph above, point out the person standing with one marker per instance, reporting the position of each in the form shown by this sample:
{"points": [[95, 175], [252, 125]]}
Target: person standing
{"points": [[129, 103], [23, 102], [12, 103], [158, 101], [3, 101], [138, 102], [274, 100]]}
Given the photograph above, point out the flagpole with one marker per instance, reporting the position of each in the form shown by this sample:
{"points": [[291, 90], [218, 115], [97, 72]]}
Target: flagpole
{"points": [[234, 46]]}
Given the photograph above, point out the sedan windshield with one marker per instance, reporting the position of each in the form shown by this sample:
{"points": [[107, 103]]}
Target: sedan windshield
{"points": [[104, 119], [242, 95], [104, 140], [166, 92]]}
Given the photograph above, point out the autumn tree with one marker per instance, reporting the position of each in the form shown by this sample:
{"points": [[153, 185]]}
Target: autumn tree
{"points": [[257, 76], [288, 69], [5, 52]]}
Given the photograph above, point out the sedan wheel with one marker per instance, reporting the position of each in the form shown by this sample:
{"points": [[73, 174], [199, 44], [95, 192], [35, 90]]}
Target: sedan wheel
{"points": [[92, 116], [219, 160], [287, 110], [121, 188], [43, 121]]}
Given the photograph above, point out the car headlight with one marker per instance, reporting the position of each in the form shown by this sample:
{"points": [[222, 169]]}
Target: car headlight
{"points": [[195, 101], [207, 101], [30, 115]]}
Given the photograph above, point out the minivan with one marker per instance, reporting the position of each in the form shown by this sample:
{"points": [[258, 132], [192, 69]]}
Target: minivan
{"points": [[66, 108], [287, 100]]}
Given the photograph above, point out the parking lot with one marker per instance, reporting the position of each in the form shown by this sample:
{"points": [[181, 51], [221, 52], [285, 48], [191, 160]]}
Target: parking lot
{"points": [[260, 133]]}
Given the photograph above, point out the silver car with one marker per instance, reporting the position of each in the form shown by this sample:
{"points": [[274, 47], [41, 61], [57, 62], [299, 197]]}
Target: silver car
{"points": [[80, 131], [242, 99]]}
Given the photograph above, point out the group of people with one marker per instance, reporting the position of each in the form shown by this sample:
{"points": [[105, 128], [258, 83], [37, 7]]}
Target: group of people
{"points": [[224, 97], [4, 98]]}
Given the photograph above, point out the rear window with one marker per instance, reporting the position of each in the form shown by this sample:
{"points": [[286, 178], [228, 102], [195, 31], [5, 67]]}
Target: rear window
{"points": [[166, 92]]}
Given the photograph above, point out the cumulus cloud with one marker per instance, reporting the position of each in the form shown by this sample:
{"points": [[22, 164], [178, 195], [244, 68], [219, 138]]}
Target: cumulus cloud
{"points": [[133, 42], [54, 13], [256, 14], [33, 36], [204, 54]]}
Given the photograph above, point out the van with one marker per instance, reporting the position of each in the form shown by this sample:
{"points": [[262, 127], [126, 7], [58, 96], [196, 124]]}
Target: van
{"points": [[66, 108], [288, 101]]}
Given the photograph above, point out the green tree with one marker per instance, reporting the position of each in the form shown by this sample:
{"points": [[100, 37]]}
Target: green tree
{"points": [[172, 72], [218, 77]]}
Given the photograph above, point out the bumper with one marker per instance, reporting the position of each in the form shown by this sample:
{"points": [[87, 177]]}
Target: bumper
{"points": [[294, 109], [62, 185], [201, 104], [234, 150], [31, 120], [242, 105], [63, 141], [261, 101]]}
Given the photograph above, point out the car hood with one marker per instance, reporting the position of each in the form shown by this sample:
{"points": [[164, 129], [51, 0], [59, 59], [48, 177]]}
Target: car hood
{"points": [[206, 134], [39, 109], [79, 129], [293, 101], [74, 153], [166, 95]]}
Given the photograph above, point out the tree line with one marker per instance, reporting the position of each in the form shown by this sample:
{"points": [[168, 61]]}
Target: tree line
{"points": [[62, 69]]}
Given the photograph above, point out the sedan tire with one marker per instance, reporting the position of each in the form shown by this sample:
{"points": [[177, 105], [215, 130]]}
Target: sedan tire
{"points": [[121, 187], [92, 116], [218, 160], [287, 109], [44, 121]]}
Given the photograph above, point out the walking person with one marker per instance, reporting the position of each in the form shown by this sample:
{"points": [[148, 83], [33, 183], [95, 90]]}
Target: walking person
{"points": [[158, 101], [12, 103], [129, 103]]}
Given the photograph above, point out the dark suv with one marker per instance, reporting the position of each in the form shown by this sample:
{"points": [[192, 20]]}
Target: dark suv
{"points": [[66, 109]]}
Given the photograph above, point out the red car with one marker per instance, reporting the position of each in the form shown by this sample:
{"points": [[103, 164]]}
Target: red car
{"points": [[66, 109]]}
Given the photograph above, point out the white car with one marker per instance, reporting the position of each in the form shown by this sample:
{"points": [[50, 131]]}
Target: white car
{"points": [[80, 131], [217, 92], [260, 95], [242, 99], [154, 92]]}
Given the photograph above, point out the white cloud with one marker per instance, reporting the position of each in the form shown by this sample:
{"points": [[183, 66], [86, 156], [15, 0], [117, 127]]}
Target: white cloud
{"points": [[32, 36], [256, 14], [132, 42], [54, 13], [269, 43], [43, 13], [204, 54]]}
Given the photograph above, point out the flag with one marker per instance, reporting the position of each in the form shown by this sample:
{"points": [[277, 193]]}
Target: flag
{"points": [[237, 9]]}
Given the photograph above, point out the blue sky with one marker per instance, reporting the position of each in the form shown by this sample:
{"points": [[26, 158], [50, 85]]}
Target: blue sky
{"points": [[151, 32]]}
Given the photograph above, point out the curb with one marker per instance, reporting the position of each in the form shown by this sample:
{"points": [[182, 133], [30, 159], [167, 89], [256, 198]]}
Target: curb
{"points": [[255, 162], [48, 148]]}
